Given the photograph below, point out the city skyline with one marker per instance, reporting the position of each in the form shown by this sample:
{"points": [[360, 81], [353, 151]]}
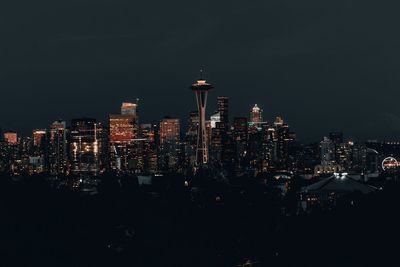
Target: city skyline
{"points": [[25, 128], [199, 133]]}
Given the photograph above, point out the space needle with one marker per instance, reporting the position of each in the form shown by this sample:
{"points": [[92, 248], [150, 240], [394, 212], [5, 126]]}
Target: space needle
{"points": [[201, 88]]}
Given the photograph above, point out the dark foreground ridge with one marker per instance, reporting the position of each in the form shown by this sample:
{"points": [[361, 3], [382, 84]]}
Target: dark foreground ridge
{"points": [[209, 223]]}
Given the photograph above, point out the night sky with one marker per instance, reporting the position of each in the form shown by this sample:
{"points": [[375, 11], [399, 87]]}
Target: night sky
{"points": [[322, 65]]}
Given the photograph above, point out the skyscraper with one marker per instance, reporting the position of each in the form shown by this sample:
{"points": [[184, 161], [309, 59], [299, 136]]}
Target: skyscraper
{"points": [[11, 137], [86, 146], [223, 110], [149, 148], [39, 136], [169, 144], [122, 135], [191, 140], [124, 140], [58, 148], [327, 152], [240, 138], [129, 109], [256, 114], [201, 89]]}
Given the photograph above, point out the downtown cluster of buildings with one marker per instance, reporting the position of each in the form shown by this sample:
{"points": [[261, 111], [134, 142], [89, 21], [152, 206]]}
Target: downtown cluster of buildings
{"points": [[124, 145], [247, 145]]}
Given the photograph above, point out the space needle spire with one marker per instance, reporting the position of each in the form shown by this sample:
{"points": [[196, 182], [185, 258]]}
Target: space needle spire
{"points": [[201, 89]]}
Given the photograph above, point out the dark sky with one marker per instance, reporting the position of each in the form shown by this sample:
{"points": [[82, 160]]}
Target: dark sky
{"points": [[322, 65]]}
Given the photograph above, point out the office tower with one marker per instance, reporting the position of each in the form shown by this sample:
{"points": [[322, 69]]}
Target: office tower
{"points": [[240, 136], [214, 119], [327, 152], [201, 89], [284, 138], [256, 115], [268, 148], [223, 110], [169, 130], [38, 150], [39, 137], [123, 134], [337, 141], [190, 141], [222, 147], [149, 148], [58, 148], [86, 146], [216, 144], [328, 161], [169, 144], [129, 109], [358, 158], [124, 140], [10, 137]]}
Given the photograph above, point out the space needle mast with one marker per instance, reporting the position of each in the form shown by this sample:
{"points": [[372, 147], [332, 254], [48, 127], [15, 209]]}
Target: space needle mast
{"points": [[201, 88]]}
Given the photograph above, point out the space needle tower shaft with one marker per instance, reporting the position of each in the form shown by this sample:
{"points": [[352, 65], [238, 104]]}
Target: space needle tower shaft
{"points": [[201, 89]]}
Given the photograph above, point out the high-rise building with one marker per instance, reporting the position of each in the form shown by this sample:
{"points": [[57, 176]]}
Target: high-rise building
{"points": [[86, 146], [223, 110], [256, 114], [240, 138], [125, 145], [169, 130], [190, 141], [337, 141], [283, 138], [58, 148], [201, 89], [268, 148], [38, 152], [222, 147], [149, 148], [122, 135], [11, 137], [122, 129], [327, 152], [129, 109], [169, 144], [214, 119], [39, 136]]}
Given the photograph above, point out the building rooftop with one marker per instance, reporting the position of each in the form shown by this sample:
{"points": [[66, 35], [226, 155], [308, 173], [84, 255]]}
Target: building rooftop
{"points": [[339, 183]]}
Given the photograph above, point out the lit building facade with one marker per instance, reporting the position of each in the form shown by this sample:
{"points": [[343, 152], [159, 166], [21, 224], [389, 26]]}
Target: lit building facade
{"points": [[149, 148], [190, 141], [58, 148], [86, 146], [11, 137], [128, 108], [121, 140], [169, 133], [256, 114], [240, 138]]}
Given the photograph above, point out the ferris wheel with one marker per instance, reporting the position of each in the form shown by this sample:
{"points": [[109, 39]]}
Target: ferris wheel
{"points": [[389, 163]]}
